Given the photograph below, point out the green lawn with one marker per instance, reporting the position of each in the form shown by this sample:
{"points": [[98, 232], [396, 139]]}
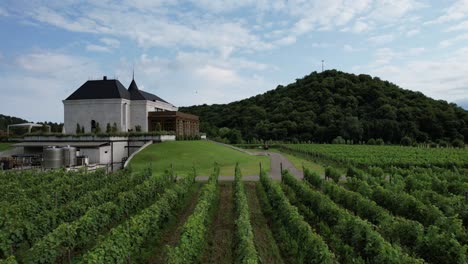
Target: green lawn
{"points": [[201, 154], [5, 146]]}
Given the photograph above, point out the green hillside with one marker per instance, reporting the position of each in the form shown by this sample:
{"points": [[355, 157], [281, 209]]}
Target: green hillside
{"points": [[5, 121], [323, 106]]}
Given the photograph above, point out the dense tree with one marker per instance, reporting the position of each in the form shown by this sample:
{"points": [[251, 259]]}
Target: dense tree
{"points": [[323, 106]]}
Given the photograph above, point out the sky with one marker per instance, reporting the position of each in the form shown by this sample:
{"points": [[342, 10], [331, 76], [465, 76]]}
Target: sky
{"points": [[205, 51]]}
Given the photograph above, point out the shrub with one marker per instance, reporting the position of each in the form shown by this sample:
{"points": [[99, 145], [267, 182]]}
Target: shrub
{"points": [[406, 141], [458, 143], [371, 141], [379, 142], [332, 173], [339, 140]]}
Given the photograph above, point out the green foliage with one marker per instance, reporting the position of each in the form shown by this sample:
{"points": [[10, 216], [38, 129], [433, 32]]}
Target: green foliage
{"points": [[458, 143], [128, 237], [322, 106], [78, 129], [332, 173], [379, 142], [193, 238], [114, 128], [245, 247], [78, 233], [371, 141], [158, 127], [339, 140], [406, 141], [50, 195], [138, 128], [304, 244], [108, 128], [368, 243], [385, 157], [97, 129]]}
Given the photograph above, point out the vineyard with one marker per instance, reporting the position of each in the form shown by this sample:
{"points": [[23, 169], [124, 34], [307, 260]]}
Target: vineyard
{"points": [[368, 207]]}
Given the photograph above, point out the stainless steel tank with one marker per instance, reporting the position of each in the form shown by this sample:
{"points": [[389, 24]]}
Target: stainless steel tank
{"points": [[69, 156], [53, 158]]}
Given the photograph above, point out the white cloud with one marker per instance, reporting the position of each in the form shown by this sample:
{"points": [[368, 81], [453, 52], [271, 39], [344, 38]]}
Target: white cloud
{"points": [[458, 10], [207, 78], [107, 45], [461, 26], [412, 32], [441, 79], [388, 11], [381, 39], [52, 63], [112, 43], [40, 80], [97, 48], [350, 48], [449, 42], [359, 27]]}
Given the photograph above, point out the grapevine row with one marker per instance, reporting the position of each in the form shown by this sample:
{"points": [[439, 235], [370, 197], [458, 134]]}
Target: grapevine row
{"points": [[82, 231], [304, 244], [26, 224], [246, 251], [398, 230], [129, 236], [366, 241], [193, 238]]}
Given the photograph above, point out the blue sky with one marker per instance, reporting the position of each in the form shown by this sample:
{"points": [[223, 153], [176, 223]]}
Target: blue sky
{"points": [[204, 51]]}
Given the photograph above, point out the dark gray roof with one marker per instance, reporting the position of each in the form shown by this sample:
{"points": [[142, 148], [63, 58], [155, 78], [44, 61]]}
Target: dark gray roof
{"points": [[109, 89], [100, 89], [137, 94]]}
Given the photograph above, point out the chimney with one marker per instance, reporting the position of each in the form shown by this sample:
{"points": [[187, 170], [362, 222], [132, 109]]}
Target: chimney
{"points": [[104, 78]]}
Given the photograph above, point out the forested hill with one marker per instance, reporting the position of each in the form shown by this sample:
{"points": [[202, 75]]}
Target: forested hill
{"points": [[323, 106], [9, 120]]}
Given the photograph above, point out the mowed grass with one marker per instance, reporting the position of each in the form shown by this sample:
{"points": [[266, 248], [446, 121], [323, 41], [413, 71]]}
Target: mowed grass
{"points": [[5, 146], [298, 162], [184, 155]]}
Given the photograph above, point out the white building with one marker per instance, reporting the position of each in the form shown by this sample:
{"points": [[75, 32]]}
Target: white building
{"points": [[108, 102]]}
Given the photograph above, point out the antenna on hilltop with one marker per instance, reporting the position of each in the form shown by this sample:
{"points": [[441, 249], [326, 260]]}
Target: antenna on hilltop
{"points": [[322, 64]]}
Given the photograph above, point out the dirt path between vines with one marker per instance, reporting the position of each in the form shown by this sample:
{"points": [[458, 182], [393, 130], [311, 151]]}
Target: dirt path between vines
{"points": [[172, 235], [265, 243], [220, 247]]}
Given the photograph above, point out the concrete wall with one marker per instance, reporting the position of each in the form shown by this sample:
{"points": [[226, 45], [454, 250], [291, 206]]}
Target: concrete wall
{"points": [[125, 113], [101, 110], [139, 112], [138, 115]]}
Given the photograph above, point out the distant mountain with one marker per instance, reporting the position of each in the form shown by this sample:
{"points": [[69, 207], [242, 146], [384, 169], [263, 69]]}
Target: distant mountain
{"points": [[323, 106], [9, 120]]}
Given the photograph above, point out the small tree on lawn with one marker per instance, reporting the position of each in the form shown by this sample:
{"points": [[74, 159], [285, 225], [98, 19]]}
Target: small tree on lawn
{"points": [[78, 129], [108, 128]]}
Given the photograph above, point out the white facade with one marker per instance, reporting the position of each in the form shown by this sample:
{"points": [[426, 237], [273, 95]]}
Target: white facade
{"points": [[127, 114]]}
